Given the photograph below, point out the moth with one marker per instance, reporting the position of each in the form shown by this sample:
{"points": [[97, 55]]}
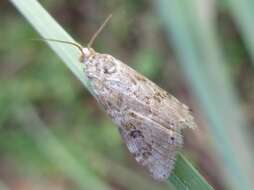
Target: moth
{"points": [[149, 119]]}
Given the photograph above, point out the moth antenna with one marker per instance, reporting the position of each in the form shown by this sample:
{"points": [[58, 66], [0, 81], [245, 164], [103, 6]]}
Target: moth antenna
{"points": [[65, 42], [89, 45]]}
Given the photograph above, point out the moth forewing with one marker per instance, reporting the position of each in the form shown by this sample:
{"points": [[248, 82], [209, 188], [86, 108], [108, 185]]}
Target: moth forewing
{"points": [[149, 119]]}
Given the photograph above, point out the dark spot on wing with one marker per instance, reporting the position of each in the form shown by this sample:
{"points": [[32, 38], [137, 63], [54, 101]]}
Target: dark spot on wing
{"points": [[157, 98], [132, 114], [160, 95], [135, 93], [136, 134], [172, 140], [146, 154], [147, 99], [164, 94], [119, 101], [130, 126], [146, 151]]}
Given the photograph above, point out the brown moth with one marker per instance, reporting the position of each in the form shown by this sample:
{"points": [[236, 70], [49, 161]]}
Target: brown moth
{"points": [[149, 119]]}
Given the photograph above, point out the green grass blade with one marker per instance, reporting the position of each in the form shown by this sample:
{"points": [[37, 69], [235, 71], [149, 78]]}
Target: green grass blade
{"points": [[185, 176], [243, 14], [48, 28]]}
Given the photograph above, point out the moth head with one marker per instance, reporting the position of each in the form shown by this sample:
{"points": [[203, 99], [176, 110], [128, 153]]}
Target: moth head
{"points": [[86, 53]]}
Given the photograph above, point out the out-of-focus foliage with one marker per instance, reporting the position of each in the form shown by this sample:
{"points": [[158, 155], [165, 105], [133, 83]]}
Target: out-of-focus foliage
{"points": [[31, 75]]}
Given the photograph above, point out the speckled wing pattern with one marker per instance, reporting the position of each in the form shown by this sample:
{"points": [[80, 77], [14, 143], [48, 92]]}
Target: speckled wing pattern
{"points": [[149, 119]]}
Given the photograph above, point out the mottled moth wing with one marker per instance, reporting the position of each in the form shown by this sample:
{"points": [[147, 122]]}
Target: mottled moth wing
{"points": [[149, 119], [152, 145]]}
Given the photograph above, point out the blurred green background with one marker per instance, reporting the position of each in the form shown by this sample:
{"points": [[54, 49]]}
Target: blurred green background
{"points": [[53, 135]]}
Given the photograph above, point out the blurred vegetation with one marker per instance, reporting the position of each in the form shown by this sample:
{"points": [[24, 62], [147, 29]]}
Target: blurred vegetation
{"points": [[36, 89]]}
